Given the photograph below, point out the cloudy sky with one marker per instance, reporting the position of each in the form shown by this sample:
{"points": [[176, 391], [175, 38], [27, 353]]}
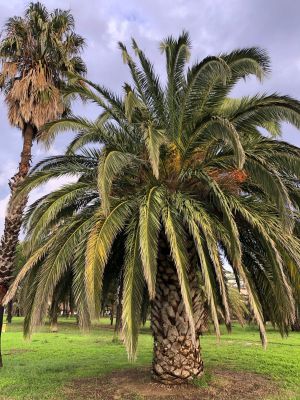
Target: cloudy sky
{"points": [[215, 26]]}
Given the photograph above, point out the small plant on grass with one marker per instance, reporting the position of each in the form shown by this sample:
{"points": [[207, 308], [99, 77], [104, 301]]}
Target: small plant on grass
{"points": [[203, 381]]}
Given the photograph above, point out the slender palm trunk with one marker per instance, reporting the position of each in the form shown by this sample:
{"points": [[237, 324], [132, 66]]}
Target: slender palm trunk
{"points": [[53, 315], [145, 310], [1, 324], [177, 358], [65, 310], [118, 325], [119, 307], [9, 312], [296, 324], [112, 314], [13, 218], [53, 323]]}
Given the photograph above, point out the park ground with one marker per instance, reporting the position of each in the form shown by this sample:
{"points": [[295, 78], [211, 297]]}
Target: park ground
{"points": [[73, 365]]}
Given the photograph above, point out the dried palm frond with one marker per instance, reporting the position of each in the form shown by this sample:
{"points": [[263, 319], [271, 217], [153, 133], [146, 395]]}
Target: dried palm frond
{"points": [[37, 52]]}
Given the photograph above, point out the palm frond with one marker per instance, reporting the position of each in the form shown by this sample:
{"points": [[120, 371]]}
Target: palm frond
{"points": [[177, 240], [98, 248], [133, 290], [149, 223]]}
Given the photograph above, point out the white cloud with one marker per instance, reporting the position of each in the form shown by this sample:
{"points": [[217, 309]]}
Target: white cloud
{"points": [[3, 205], [8, 169], [117, 31], [181, 10]]}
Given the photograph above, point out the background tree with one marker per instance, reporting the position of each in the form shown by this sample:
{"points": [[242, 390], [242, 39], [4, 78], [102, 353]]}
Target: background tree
{"points": [[15, 306], [37, 52], [185, 176]]}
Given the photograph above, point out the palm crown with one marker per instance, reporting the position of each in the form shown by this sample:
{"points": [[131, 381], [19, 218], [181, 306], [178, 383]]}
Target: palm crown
{"points": [[182, 163], [37, 52]]}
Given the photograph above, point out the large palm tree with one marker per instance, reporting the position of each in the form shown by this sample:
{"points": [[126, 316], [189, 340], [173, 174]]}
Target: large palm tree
{"points": [[182, 173], [37, 52]]}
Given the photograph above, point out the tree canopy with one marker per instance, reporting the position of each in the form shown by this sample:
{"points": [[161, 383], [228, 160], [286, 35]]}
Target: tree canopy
{"points": [[183, 158], [37, 52]]}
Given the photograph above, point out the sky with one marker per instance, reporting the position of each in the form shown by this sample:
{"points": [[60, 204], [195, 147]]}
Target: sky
{"points": [[215, 26]]}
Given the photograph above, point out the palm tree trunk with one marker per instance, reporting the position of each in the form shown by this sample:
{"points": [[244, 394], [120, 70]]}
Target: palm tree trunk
{"points": [[112, 314], [1, 324], [145, 309], [13, 218], [296, 325], [9, 312], [53, 314], [53, 322], [177, 358], [119, 308]]}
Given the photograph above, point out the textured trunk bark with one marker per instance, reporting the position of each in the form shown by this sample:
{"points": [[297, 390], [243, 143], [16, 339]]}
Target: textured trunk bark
{"points": [[176, 358], [118, 326], [9, 312], [296, 325], [13, 218], [65, 310], [53, 323], [1, 324], [71, 304], [112, 314], [53, 315], [145, 309]]}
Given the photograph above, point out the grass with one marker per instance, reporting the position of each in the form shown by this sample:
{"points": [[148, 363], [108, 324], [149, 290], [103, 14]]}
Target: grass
{"points": [[204, 381], [40, 368]]}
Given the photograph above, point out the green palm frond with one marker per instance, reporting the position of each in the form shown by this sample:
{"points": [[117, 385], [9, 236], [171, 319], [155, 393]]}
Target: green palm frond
{"points": [[200, 225], [177, 240], [111, 165], [35, 258], [98, 248], [248, 61], [76, 124], [207, 272], [79, 292], [153, 140], [197, 77], [54, 265], [150, 215], [47, 212], [177, 54], [133, 290], [268, 178]]}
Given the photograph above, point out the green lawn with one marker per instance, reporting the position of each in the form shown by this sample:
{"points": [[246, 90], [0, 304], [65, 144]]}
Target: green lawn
{"points": [[38, 369]]}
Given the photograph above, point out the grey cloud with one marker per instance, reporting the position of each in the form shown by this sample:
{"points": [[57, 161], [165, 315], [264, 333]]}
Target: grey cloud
{"points": [[215, 26]]}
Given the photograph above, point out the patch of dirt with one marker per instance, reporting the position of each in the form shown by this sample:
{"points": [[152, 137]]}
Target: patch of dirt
{"points": [[109, 327], [136, 384], [13, 352]]}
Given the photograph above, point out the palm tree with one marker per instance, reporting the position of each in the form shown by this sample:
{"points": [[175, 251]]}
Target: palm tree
{"points": [[63, 294], [186, 178], [37, 53]]}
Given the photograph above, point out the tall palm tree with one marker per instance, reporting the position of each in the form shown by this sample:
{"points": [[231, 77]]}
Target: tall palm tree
{"points": [[183, 174], [37, 52]]}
